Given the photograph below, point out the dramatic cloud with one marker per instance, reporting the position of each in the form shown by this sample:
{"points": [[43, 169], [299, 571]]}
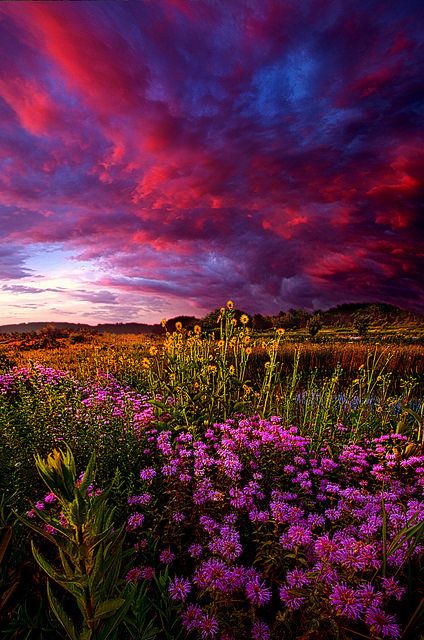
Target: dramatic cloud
{"points": [[192, 151]]}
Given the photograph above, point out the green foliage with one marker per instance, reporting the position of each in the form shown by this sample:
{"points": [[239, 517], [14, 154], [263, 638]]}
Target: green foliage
{"points": [[361, 323], [89, 551]]}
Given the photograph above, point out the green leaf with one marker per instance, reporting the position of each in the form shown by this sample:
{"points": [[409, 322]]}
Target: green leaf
{"points": [[108, 608], [73, 585], [60, 614], [122, 612], [45, 565], [88, 473]]}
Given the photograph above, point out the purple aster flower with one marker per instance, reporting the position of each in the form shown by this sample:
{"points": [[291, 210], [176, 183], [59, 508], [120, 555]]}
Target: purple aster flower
{"points": [[191, 617], [392, 588], [178, 516], [257, 592], [291, 598], [179, 588], [297, 578], [142, 499], [208, 626], [147, 573], [382, 624], [50, 498], [297, 535], [167, 557], [135, 521], [147, 474], [195, 550], [345, 602], [50, 529], [260, 631], [134, 575]]}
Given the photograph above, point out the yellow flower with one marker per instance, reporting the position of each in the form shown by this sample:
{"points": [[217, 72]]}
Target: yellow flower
{"points": [[178, 326], [221, 343], [163, 322], [153, 351], [248, 350], [244, 319], [230, 304], [197, 330], [231, 370], [280, 331], [145, 363], [234, 321], [221, 311]]}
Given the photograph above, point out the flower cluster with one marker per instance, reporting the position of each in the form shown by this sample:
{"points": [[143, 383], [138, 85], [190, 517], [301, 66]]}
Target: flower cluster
{"points": [[273, 527]]}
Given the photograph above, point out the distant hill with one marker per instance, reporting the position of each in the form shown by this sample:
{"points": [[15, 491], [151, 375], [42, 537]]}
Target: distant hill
{"points": [[114, 328], [344, 314], [340, 316]]}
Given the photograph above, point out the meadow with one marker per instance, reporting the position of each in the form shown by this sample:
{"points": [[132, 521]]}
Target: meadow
{"points": [[212, 484]]}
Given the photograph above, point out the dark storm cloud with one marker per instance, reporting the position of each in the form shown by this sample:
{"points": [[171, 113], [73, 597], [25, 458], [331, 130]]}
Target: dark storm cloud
{"points": [[266, 151]]}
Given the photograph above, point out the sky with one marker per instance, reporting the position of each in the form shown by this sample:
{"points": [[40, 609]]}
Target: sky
{"points": [[160, 157]]}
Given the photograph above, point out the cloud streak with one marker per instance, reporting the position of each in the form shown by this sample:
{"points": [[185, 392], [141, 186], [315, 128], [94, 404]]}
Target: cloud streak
{"points": [[191, 151]]}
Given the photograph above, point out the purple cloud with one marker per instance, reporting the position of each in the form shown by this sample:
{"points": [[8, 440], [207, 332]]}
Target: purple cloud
{"points": [[271, 153]]}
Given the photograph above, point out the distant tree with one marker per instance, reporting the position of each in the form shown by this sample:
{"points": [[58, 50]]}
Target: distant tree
{"points": [[261, 323], [314, 325], [361, 322]]}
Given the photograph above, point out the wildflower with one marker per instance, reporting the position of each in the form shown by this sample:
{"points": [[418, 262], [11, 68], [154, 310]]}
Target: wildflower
{"points": [[153, 351], [345, 602], [291, 598], [296, 535], [50, 498], [208, 626], [178, 516], [197, 330], [280, 331], [50, 529], [142, 499], [178, 326], [392, 588], [195, 550], [147, 474], [244, 319], [179, 588], [135, 521], [230, 304], [257, 592], [260, 631], [382, 624], [297, 578], [191, 617], [134, 575], [167, 557], [147, 573]]}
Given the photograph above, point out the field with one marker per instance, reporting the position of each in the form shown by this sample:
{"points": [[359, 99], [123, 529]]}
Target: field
{"points": [[212, 484]]}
